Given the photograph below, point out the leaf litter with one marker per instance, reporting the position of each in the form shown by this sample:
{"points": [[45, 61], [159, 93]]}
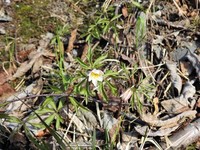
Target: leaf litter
{"points": [[151, 91]]}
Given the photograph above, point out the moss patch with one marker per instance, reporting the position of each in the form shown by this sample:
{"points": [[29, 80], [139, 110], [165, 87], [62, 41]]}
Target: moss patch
{"points": [[32, 19]]}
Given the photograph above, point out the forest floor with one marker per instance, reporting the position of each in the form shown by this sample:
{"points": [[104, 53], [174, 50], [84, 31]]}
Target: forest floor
{"points": [[99, 74]]}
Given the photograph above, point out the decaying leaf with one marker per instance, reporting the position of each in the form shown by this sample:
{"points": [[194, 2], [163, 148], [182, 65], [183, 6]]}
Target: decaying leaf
{"points": [[111, 124], [43, 43], [114, 131], [180, 118], [71, 41], [143, 130], [186, 68], [184, 137], [18, 101], [5, 75], [108, 120], [81, 127], [188, 90], [128, 141], [27, 65], [24, 51], [6, 90], [176, 105], [37, 65], [4, 16], [124, 11], [88, 118], [176, 79], [194, 59], [85, 51], [181, 103], [155, 103]]}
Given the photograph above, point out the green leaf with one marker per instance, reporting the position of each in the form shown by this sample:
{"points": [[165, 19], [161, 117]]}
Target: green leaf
{"points": [[98, 61], [44, 110], [76, 104], [60, 104], [140, 28], [56, 89], [112, 87], [102, 91], [110, 73], [4, 104], [94, 140], [40, 145], [88, 38], [78, 87], [58, 138], [10, 118], [57, 124], [73, 102], [50, 119], [37, 125], [49, 102], [116, 17], [83, 65], [137, 4], [58, 121]]}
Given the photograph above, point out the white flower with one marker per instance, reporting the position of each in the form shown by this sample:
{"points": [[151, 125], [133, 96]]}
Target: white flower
{"points": [[126, 95], [95, 76]]}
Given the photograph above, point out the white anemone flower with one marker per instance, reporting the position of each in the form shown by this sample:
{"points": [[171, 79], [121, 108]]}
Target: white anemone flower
{"points": [[126, 95], [95, 76]]}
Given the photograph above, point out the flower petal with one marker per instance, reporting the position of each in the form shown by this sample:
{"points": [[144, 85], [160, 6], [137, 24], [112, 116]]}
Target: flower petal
{"points": [[95, 76]]}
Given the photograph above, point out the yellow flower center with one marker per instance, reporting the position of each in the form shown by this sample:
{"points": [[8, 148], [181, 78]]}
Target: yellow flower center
{"points": [[95, 75]]}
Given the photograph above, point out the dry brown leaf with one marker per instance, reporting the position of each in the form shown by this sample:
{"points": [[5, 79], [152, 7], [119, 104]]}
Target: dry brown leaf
{"points": [[17, 100], [114, 131], [85, 51], [4, 76], [155, 103], [188, 90], [194, 13], [87, 117], [184, 9], [128, 141], [5, 91], [126, 58], [176, 105], [37, 65], [154, 121], [159, 132], [23, 53], [194, 60], [124, 11], [186, 68], [71, 41], [27, 65], [42, 133], [185, 136], [176, 79]]}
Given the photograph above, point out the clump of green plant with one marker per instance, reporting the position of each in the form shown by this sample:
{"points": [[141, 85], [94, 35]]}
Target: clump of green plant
{"points": [[138, 92], [7, 55], [85, 72], [101, 23], [52, 109]]}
